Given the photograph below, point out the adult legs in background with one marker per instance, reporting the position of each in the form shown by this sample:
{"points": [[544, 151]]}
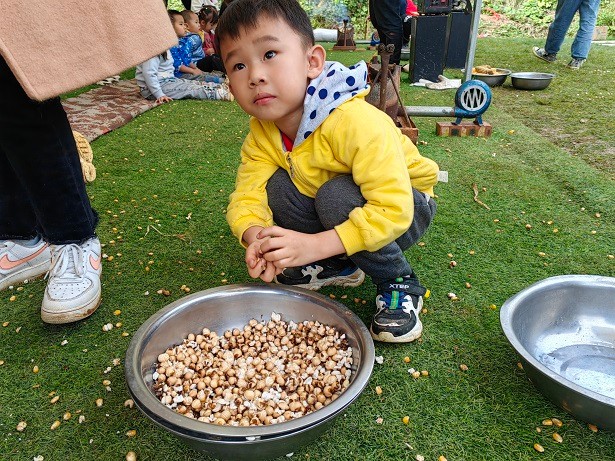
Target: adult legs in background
{"points": [[588, 14], [387, 16], [564, 13], [42, 194]]}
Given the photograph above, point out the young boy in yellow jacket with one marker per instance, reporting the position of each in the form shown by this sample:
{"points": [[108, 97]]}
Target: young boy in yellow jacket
{"points": [[348, 192]]}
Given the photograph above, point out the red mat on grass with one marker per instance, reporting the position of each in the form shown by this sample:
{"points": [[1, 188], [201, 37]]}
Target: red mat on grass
{"points": [[104, 109]]}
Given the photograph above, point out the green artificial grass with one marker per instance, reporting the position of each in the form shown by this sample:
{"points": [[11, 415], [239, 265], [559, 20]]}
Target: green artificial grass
{"points": [[162, 188]]}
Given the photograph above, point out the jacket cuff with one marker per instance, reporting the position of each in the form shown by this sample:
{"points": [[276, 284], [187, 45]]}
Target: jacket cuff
{"points": [[351, 237]]}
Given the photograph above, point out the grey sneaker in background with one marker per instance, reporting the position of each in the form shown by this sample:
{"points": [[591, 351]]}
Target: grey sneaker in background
{"points": [[575, 63], [542, 54]]}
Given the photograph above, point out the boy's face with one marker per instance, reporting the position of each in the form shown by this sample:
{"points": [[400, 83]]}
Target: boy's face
{"points": [[269, 70], [179, 26], [193, 23]]}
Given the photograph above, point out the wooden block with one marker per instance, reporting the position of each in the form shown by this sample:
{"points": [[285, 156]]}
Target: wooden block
{"points": [[465, 128]]}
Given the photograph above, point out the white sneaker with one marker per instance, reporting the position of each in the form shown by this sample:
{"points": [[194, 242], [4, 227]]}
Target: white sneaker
{"points": [[73, 291], [19, 263]]}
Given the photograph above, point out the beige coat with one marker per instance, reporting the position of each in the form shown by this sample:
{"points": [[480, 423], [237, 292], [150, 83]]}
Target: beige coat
{"points": [[56, 46]]}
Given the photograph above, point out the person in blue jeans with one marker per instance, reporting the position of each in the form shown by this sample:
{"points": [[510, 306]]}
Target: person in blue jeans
{"points": [[564, 13]]}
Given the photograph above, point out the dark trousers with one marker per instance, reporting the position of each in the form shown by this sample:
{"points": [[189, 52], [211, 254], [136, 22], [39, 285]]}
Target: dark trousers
{"points": [[387, 16], [41, 183], [211, 63], [332, 205]]}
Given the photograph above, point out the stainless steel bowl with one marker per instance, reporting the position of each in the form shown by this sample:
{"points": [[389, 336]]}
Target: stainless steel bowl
{"points": [[223, 308], [564, 330], [493, 80], [531, 80]]}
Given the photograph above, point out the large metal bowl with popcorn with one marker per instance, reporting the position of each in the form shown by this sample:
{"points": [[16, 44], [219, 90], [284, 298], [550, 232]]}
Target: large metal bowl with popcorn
{"points": [[249, 372]]}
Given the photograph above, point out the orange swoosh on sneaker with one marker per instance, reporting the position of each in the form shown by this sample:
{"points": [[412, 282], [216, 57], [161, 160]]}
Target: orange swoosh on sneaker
{"points": [[6, 264], [95, 263]]}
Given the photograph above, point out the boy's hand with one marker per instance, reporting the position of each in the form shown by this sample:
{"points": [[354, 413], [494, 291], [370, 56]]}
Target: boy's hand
{"points": [[288, 248], [259, 267]]}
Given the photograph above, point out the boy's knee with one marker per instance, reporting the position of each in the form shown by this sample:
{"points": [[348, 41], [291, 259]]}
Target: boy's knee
{"points": [[336, 199]]}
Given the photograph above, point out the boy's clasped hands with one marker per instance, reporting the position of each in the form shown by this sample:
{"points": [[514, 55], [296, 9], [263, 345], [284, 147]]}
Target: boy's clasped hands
{"points": [[274, 248]]}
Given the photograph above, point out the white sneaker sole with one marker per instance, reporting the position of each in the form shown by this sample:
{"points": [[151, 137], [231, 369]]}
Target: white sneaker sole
{"points": [[386, 337], [73, 315], [353, 280], [27, 273]]}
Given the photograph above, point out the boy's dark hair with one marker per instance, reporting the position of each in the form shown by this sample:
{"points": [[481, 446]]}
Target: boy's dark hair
{"points": [[187, 14], [173, 14], [208, 13], [246, 14]]}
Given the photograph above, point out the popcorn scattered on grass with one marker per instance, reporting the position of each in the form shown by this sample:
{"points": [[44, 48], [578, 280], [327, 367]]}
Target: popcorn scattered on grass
{"points": [[379, 359]]}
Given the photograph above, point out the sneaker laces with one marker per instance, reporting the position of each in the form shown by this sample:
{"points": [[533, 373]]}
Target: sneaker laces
{"points": [[67, 263], [384, 302]]}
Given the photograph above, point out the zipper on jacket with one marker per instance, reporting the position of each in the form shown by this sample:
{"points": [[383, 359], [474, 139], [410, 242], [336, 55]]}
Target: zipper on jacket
{"points": [[290, 165]]}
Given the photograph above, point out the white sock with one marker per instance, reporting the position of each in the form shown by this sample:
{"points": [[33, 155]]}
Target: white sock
{"points": [[29, 243]]}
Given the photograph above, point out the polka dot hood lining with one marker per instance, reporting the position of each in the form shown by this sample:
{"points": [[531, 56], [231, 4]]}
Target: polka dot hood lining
{"points": [[335, 85]]}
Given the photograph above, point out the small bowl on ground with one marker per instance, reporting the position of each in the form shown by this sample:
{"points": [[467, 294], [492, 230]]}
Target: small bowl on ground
{"points": [[531, 80], [233, 306], [493, 79], [563, 328]]}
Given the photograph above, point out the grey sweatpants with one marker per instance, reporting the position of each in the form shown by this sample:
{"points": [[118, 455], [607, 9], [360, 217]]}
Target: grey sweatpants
{"points": [[332, 205], [181, 88]]}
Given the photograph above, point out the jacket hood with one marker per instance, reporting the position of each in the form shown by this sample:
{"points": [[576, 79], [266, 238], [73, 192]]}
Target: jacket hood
{"points": [[335, 85]]}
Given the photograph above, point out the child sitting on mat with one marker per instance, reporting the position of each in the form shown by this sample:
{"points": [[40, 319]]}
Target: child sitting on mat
{"points": [[348, 192], [157, 80]]}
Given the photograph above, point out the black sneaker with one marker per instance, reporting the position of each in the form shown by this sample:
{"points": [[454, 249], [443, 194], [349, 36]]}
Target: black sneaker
{"points": [[575, 63], [328, 272], [542, 54], [398, 305]]}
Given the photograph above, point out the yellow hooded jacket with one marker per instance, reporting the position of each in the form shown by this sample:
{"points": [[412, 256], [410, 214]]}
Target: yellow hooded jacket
{"points": [[357, 139]]}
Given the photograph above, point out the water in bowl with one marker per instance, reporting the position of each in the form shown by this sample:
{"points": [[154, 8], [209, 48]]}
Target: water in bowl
{"points": [[590, 366]]}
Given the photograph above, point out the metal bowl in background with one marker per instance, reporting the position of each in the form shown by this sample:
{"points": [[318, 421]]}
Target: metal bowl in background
{"points": [[531, 80], [233, 306], [493, 80], [563, 329]]}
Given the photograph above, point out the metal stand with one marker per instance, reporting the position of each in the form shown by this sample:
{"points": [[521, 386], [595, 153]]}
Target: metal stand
{"points": [[478, 5]]}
